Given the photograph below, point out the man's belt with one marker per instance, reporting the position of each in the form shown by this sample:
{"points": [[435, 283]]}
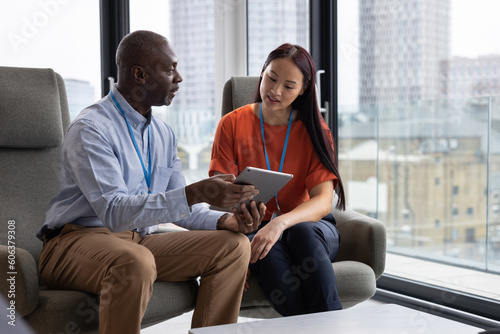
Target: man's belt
{"points": [[51, 234]]}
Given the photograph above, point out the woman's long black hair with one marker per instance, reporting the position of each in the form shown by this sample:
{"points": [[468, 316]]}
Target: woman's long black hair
{"points": [[308, 110]]}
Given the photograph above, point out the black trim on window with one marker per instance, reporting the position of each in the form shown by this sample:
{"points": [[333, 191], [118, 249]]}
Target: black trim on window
{"points": [[323, 39], [439, 296], [115, 24]]}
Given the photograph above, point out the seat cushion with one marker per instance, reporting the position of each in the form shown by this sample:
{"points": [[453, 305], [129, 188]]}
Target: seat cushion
{"points": [[355, 284], [68, 311], [65, 312], [170, 299]]}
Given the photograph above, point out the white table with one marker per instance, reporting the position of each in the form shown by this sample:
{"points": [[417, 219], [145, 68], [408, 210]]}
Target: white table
{"points": [[383, 319]]}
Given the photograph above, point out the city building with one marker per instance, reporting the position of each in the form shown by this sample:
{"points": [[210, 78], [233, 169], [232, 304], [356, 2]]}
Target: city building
{"points": [[421, 131], [402, 44], [271, 23], [465, 77], [80, 95]]}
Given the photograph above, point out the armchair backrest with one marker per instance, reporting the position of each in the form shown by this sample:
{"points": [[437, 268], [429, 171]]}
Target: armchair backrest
{"points": [[238, 91], [33, 119]]}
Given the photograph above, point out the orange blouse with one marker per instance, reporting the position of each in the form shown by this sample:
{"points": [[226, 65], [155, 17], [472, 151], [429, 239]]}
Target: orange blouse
{"points": [[238, 144]]}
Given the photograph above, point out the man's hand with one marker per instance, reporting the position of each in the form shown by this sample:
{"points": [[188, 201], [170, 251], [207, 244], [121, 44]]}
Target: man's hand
{"points": [[244, 221], [219, 190]]}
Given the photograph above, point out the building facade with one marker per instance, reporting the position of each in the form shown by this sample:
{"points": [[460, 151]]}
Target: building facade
{"points": [[402, 44]]}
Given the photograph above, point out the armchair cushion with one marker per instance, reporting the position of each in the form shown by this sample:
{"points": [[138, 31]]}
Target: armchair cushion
{"points": [[363, 239], [69, 311], [355, 282], [39, 129], [25, 279]]}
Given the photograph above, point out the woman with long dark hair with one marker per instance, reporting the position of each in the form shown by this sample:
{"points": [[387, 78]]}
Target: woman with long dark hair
{"points": [[284, 131]]}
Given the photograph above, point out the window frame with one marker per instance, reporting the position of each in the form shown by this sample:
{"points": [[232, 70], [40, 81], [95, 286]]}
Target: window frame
{"points": [[115, 24], [323, 40]]}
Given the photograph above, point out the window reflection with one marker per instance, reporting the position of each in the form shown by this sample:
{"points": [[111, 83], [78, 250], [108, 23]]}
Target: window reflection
{"points": [[37, 35]]}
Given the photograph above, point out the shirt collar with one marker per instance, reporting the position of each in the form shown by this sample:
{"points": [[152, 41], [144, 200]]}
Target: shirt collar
{"points": [[133, 116]]}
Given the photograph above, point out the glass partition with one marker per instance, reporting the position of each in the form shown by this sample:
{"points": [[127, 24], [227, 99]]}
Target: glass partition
{"points": [[429, 170], [419, 140]]}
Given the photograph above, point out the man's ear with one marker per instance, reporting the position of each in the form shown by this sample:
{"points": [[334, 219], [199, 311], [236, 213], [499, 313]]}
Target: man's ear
{"points": [[138, 74]]}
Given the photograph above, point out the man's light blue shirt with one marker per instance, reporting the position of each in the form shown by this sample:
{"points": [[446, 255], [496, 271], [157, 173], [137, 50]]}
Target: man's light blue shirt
{"points": [[102, 183]]}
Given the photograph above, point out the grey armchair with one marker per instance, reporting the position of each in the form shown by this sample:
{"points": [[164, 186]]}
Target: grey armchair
{"points": [[33, 119], [361, 257]]}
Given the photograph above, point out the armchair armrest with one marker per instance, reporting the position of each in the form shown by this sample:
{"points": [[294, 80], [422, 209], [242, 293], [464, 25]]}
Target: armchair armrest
{"points": [[362, 239], [22, 285]]}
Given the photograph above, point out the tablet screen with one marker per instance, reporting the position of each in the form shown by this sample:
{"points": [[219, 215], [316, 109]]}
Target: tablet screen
{"points": [[268, 182]]}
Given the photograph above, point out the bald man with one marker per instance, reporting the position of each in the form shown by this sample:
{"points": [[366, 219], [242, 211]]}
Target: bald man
{"points": [[120, 178]]}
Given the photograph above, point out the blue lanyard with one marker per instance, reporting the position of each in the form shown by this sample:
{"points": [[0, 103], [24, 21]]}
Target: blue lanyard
{"points": [[147, 174], [283, 153]]}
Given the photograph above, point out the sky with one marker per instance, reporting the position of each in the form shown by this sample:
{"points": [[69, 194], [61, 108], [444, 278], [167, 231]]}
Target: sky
{"points": [[474, 28], [475, 25], [28, 27]]}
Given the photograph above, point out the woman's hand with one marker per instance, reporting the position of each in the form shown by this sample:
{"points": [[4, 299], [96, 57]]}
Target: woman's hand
{"points": [[265, 239]]}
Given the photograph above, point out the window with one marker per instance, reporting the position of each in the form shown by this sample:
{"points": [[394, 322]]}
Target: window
{"points": [[272, 23], [470, 235], [431, 130], [36, 34], [193, 27], [192, 114], [470, 211]]}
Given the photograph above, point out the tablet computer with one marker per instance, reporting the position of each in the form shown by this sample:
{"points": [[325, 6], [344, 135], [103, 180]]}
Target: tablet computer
{"points": [[267, 181]]}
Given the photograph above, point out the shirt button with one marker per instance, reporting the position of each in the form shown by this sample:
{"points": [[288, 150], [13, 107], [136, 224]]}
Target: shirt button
{"points": [[182, 215], [135, 125]]}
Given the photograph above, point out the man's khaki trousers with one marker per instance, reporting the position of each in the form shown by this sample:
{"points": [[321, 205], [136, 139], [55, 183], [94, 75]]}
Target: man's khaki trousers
{"points": [[121, 268]]}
